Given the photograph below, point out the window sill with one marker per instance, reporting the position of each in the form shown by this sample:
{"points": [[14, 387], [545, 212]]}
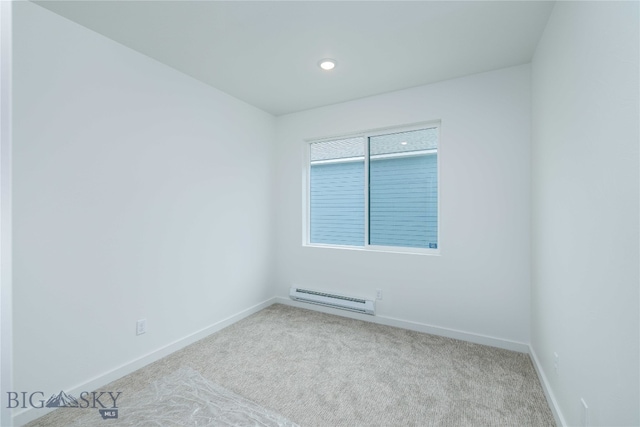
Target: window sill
{"points": [[383, 249]]}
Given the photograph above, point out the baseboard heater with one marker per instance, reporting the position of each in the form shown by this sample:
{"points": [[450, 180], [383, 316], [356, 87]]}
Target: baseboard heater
{"points": [[331, 300]]}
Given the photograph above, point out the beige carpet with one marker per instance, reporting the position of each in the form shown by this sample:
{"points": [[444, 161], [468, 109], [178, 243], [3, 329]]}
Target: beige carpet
{"points": [[315, 369]]}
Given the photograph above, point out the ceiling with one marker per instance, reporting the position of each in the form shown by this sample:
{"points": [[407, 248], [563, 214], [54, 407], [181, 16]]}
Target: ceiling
{"points": [[266, 53]]}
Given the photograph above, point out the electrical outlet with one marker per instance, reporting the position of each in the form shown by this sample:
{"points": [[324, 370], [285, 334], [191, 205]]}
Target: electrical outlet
{"points": [[379, 294], [585, 412], [141, 326], [556, 362]]}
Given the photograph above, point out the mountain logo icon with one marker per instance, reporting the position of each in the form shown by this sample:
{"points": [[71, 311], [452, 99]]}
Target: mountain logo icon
{"points": [[62, 400]]}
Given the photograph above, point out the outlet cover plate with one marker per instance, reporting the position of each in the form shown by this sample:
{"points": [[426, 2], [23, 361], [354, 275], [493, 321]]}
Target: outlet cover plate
{"points": [[141, 326]]}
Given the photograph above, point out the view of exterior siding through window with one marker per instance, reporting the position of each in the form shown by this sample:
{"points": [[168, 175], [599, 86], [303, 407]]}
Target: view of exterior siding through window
{"points": [[402, 189], [337, 192]]}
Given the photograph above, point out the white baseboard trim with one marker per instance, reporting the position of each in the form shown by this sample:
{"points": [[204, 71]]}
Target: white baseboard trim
{"points": [[415, 326], [30, 414], [548, 393]]}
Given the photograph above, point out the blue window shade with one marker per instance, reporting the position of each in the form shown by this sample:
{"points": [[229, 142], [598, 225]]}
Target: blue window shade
{"points": [[337, 203], [403, 201]]}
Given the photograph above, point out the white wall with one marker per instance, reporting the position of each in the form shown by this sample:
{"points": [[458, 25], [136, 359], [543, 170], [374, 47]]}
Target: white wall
{"points": [[585, 210], [480, 282], [6, 306], [138, 192]]}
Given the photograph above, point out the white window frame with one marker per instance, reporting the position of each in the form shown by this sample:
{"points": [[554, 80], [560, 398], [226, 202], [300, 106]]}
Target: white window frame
{"points": [[306, 188]]}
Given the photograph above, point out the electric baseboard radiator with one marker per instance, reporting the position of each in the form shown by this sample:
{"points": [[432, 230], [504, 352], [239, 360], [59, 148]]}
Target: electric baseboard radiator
{"points": [[331, 300]]}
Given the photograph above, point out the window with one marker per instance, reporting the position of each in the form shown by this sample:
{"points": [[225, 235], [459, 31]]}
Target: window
{"points": [[377, 190]]}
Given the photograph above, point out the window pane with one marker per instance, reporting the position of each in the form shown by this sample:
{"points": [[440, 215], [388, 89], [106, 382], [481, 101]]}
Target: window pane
{"points": [[338, 150], [403, 189], [337, 192]]}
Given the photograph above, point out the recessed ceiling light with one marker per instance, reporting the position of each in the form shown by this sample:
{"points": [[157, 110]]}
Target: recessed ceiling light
{"points": [[327, 64], [403, 143]]}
